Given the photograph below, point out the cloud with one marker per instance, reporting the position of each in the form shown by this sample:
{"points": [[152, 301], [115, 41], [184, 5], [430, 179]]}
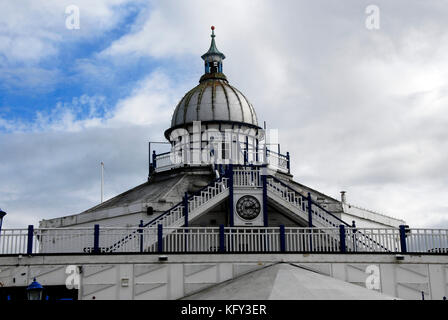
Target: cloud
{"points": [[51, 167], [33, 34], [359, 110]]}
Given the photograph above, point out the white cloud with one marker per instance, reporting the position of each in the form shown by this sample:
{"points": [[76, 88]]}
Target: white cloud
{"points": [[33, 32], [50, 168], [359, 110]]}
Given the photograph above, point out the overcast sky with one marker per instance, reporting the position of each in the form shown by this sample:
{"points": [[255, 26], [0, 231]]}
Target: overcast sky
{"points": [[362, 110]]}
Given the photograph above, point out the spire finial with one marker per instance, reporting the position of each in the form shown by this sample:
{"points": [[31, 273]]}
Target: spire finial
{"points": [[213, 58]]}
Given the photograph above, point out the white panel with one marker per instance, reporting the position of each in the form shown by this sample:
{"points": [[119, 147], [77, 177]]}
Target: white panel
{"points": [[205, 111], [243, 268], [387, 279], [125, 273], [235, 107], [438, 282], [206, 275], [176, 281], [192, 114], [152, 292], [225, 271], [221, 109]]}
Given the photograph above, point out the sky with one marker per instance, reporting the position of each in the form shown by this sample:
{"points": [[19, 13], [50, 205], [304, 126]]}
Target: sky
{"points": [[360, 109]]}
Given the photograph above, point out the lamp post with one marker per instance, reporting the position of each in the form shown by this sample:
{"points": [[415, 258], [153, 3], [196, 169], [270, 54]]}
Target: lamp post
{"points": [[2, 214], [34, 290]]}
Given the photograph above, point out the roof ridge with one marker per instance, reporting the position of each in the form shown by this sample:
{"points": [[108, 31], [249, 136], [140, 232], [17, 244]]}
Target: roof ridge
{"points": [[372, 211]]}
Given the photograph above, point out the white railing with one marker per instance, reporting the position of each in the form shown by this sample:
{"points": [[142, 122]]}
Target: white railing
{"points": [[247, 177], [133, 239], [166, 161], [312, 239], [372, 240], [277, 160], [427, 240], [252, 239], [207, 194], [194, 239], [222, 239], [58, 240], [175, 216], [13, 241], [299, 202]]}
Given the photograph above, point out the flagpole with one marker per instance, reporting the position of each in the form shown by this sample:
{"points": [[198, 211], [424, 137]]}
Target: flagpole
{"points": [[102, 180]]}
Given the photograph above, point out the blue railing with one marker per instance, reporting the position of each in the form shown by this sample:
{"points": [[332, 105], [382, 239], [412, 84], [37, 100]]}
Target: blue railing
{"points": [[224, 240]]}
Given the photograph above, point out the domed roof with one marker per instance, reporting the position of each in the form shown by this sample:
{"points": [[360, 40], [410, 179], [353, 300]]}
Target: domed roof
{"points": [[214, 100]]}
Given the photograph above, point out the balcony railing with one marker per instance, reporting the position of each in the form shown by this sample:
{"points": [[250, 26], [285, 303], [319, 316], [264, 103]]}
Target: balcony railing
{"points": [[171, 160], [223, 240]]}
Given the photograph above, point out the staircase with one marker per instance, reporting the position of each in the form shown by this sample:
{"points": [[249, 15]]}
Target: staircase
{"points": [[198, 203], [303, 207], [299, 204]]}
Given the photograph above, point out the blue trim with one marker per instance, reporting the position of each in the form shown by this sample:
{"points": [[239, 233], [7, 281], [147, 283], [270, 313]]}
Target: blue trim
{"points": [[221, 238], [246, 153], [256, 151], [29, 247], [141, 235], [185, 204], [231, 209], [343, 246], [265, 200], [154, 159], [403, 239], [282, 238], [160, 238], [96, 238]]}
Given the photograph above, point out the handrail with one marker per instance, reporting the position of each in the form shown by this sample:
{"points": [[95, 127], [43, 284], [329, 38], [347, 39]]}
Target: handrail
{"points": [[306, 198], [326, 211], [162, 154], [228, 239], [317, 205], [162, 214], [165, 213], [280, 154], [198, 193]]}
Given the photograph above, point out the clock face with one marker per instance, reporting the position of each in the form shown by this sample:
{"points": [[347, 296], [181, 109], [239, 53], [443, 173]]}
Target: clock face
{"points": [[248, 207]]}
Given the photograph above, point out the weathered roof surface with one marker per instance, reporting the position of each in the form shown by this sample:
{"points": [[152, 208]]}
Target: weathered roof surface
{"points": [[148, 191], [284, 281], [214, 100], [161, 192]]}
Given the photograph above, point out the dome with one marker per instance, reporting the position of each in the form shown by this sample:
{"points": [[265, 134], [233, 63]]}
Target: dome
{"points": [[214, 100]]}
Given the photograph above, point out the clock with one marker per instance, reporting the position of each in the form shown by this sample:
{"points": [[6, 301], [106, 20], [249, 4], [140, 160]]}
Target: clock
{"points": [[248, 207]]}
